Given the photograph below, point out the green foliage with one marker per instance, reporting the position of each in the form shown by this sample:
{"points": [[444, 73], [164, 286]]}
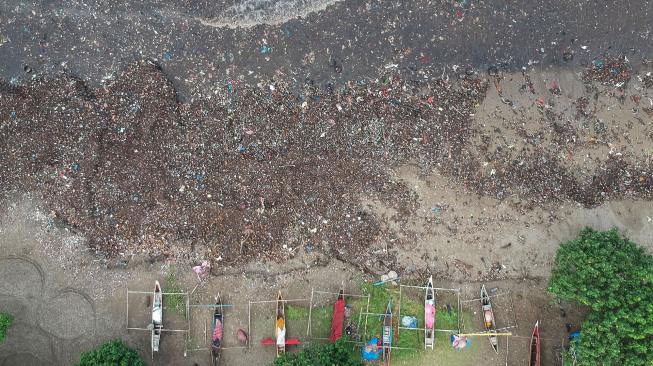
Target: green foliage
{"points": [[5, 322], [176, 303], [112, 353], [614, 278], [330, 354]]}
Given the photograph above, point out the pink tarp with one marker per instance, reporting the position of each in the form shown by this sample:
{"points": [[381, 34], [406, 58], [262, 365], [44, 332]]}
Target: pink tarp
{"points": [[430, 316], [338, 320]]}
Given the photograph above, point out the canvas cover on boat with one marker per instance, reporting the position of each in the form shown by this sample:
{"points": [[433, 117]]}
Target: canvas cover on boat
{"points": [[387, 335], [337, 320], [157, 314], [217, 331], [281, 331], [429, 314]]}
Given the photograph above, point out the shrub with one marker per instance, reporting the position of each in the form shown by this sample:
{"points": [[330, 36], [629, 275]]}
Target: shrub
{"points": [[614, 278], [5, 323], [321, 355], [112, 353]]}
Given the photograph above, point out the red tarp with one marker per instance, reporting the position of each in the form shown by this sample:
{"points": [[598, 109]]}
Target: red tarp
{"points": [[337, 320]]}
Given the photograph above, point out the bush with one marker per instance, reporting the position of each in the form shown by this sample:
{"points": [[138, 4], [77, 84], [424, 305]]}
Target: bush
{"points": [[614, 278], [5, 323], [112, 353], [329, 354]]}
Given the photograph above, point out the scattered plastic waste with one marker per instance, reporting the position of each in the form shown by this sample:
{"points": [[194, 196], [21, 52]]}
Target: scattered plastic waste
{"points": [[409, 322], [203, 269]]}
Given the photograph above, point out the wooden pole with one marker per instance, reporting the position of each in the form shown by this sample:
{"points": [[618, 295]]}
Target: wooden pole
{"points": [[310, 310], [460, 313], [127, 316], [483, 334], [188, 330], [367, 310], [434, 288], [267, 301], [249, 322], [337, 293], [398, 313], [507, 342], [512, 304]]}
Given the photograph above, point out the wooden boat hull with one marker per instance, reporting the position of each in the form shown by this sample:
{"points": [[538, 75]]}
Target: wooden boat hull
{"points": [[280, 326], [218, 328], [157, 316], [387, 335], [429, 315], [338, 318], [489, 322], [535, 345]]}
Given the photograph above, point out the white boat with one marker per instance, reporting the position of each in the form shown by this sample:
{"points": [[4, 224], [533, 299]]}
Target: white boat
{"points": [[488, 319], [157, 317], [429, 315]]}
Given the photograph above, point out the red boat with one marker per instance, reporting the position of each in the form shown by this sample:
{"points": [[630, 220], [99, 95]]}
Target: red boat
{"points": [[535, 345], [338, 318]]}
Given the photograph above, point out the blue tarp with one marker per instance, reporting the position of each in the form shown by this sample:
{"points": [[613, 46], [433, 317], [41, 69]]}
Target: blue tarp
{"points": [[370, 351]]}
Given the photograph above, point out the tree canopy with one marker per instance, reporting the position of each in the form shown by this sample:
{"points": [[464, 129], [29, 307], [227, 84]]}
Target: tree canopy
{"points": [[612, 276]]}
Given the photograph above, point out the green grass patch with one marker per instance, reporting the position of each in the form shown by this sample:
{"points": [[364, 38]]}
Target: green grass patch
{"points": [[176, 303], [5, 322], [320, 318]]}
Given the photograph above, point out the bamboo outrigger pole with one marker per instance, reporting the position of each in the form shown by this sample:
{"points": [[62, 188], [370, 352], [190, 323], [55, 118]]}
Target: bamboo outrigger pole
{"points": [[483, 334]]}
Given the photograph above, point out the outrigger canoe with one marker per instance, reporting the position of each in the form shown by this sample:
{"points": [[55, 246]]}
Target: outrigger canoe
{"points": [[429, 315], [488, 319], [387, 334], [338, 318], [280, 341], [280, 326], [157, 316], [535, 345], [216, 338]]}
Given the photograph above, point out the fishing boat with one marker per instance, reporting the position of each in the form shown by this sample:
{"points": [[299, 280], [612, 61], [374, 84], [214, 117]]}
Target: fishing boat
{"points": [[216, 338], [280, 326], [387, 334], [429, 315], [280, 341], [338, 318], [535, 345], [157, 316], [488, 319]]}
